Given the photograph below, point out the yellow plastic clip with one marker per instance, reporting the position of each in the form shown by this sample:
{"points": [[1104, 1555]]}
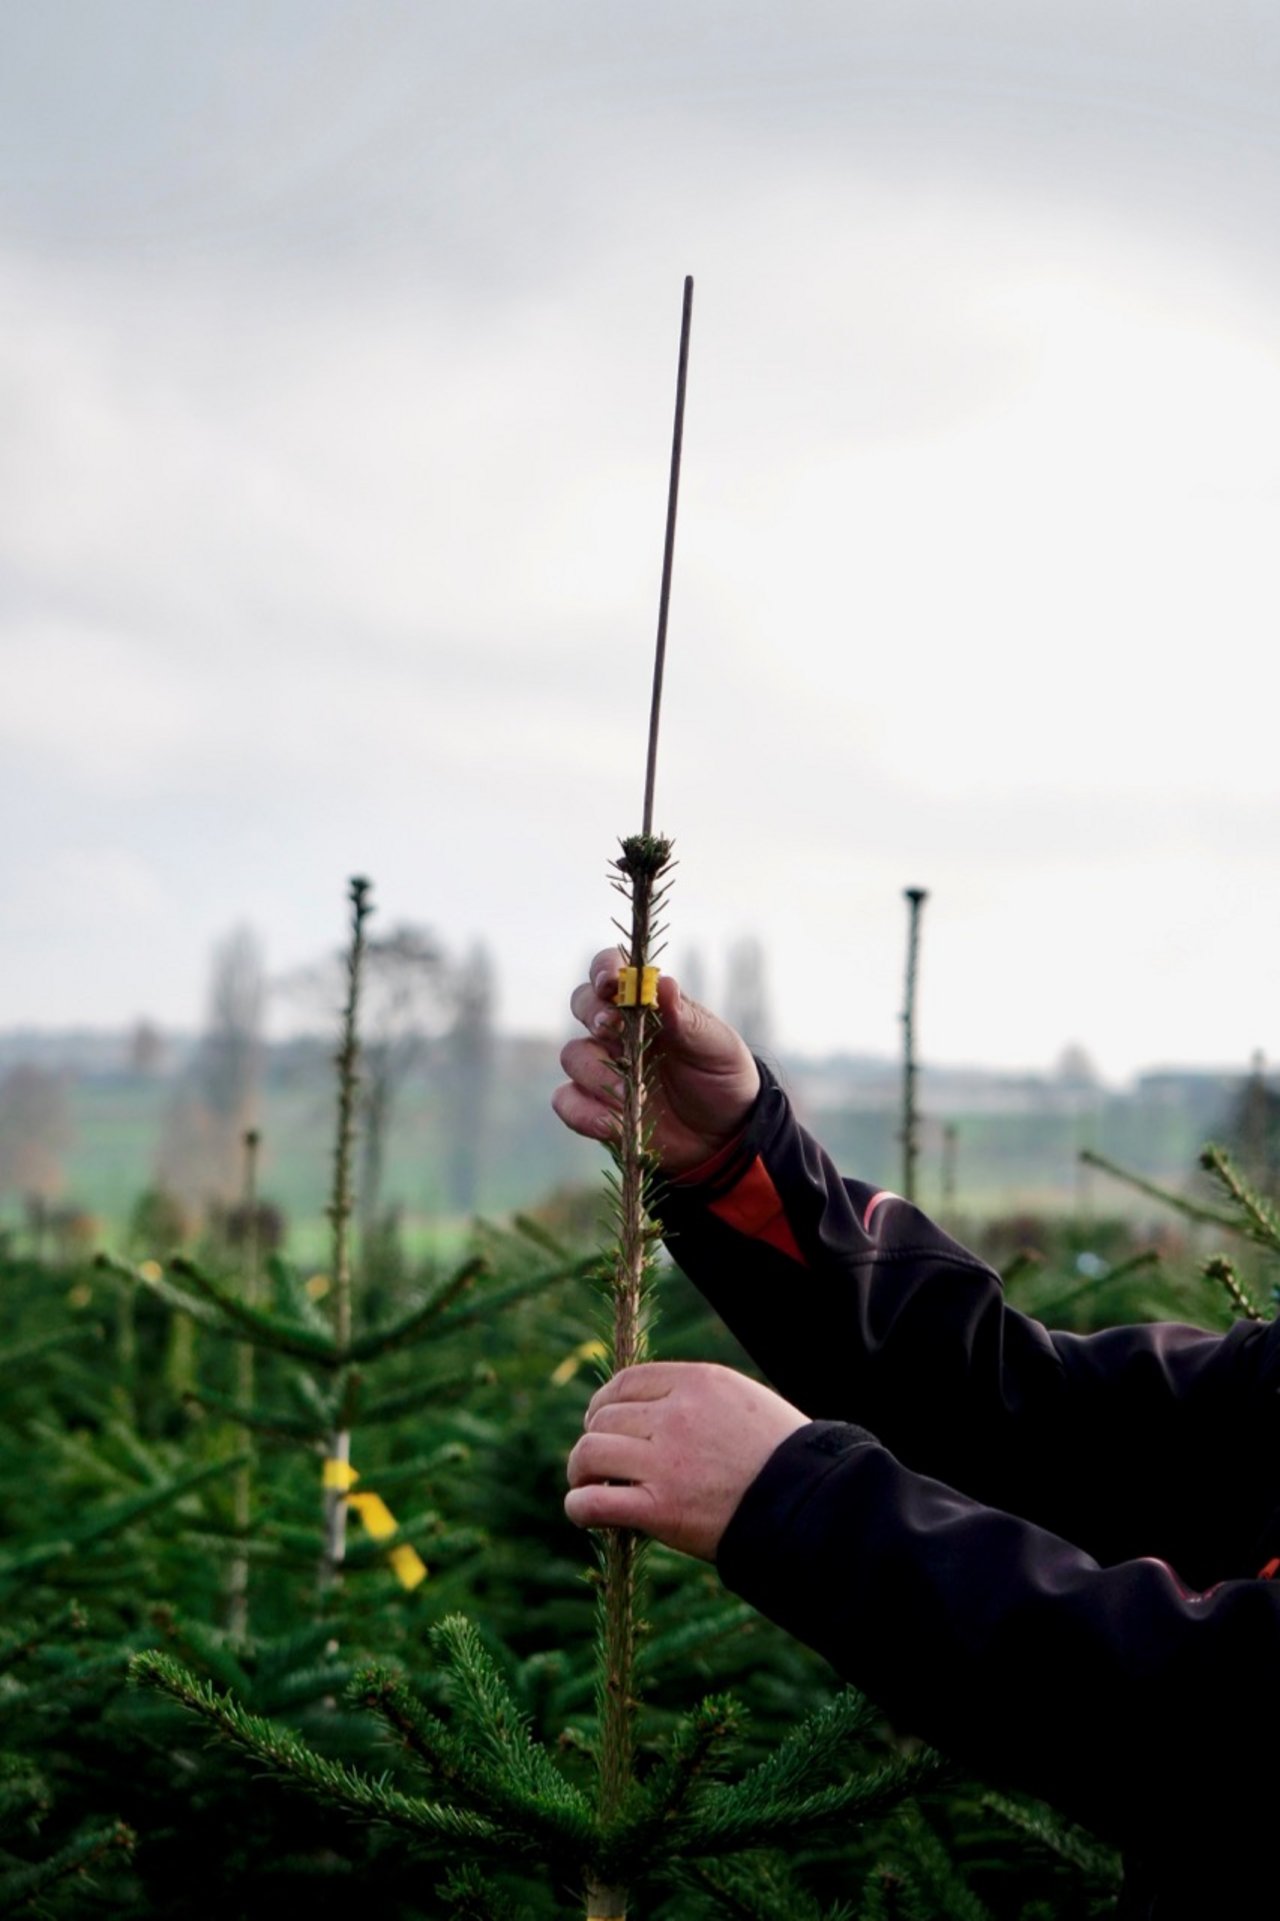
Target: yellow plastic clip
{"points": [[638, 986], [584, 1351], [376, 1515], [339, 1475], [407, 1565]]}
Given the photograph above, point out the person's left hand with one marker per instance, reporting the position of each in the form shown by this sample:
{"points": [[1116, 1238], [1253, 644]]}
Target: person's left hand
{"points": [[671, 1447]]}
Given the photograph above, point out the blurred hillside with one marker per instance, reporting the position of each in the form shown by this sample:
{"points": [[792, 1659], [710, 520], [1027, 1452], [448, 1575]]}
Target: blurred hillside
{"points": [[89, 1120]]}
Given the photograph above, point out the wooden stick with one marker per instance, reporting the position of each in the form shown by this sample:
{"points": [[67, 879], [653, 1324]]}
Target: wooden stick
{"points": [[668, 551]]}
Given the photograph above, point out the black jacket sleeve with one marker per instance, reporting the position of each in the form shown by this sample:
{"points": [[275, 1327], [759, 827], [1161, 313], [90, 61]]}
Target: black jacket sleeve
{"points": [[1141, 1440], [1142, 1708]]}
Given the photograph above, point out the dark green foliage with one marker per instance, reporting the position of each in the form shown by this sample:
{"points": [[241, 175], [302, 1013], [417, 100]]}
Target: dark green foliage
{"points": [[434, 1751], [436, 1739]]}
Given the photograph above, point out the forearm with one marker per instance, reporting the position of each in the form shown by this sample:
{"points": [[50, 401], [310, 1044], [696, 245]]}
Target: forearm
{"points": [[856, 1307], [1110, 1691]]}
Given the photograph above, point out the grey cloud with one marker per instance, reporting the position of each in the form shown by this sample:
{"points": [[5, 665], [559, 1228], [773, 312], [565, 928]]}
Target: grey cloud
{"points": [[480, 142]]}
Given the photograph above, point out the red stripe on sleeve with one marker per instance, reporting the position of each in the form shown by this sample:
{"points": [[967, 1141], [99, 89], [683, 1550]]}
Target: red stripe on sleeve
{"points": [[754, 1208]]}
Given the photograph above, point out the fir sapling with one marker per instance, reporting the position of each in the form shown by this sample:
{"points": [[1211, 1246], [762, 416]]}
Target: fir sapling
{"points": [[915, 898], [640, 876], [242, 1488], [337, 1476]]}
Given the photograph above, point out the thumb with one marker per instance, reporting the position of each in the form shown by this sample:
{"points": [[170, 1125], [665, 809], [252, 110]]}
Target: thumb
{"points": [[692, 1031]]}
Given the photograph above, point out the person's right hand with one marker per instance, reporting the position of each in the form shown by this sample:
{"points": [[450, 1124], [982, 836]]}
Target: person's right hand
{"points": [[704, 1079]]}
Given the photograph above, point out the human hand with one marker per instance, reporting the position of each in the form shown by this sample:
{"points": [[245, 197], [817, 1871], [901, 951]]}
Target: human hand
{"points": [[671, 1447], [703, 1077]]}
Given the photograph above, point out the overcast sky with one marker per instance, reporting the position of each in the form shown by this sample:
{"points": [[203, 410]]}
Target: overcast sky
{"points": [[337, 348]]}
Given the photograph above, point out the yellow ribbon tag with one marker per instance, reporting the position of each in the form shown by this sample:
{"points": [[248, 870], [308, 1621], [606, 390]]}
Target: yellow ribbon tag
{"points": [[649, 978], [379, 1521], [407, 1565], [585, 1351]]}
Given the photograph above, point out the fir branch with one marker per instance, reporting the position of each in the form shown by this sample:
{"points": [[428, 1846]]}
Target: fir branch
{"points": [[123, 1514], [304, 1687], [493, 1299], [76, 1452], [1261, 1222], [66, 1688], [553, 1813], [292, 1297], [819, 1744], [19, 1887], [1189, 1209], [1099, 1864], [131, 1445], [937, 1874], [1221, 1270], [725, 1821], [418, 1322], [202, 1312], [541, 1236], [289, 1542], [26, 1638], [759, 1889], [314, 1399], [710, 1629], [114, 1518], [450, 1544], [255, 1324], [287, 1758], [209, 1648], [32, 1559], [485, 1704], [24, 1795], [277, 1660], [473, 1897], [19, 1356], [226, 1541], [886, 1897], [420, 1467], [426, 1393], [275, 1423]]}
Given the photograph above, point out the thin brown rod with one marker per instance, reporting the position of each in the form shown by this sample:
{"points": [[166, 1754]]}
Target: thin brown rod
{"points": [[668, 553]]}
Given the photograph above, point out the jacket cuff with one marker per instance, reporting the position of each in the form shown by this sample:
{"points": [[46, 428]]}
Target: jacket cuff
{"points": [[771, 1505]]}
